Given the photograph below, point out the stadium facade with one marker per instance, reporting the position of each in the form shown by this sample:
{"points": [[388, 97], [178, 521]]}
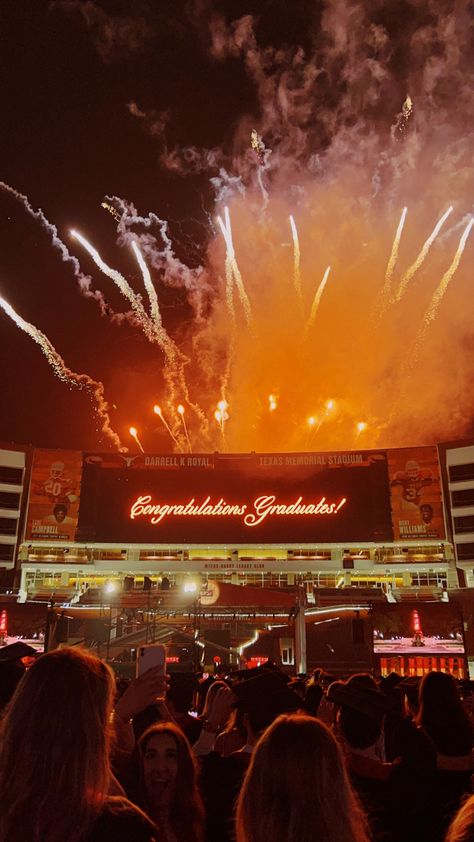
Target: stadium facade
{"points": [[390, 518]]}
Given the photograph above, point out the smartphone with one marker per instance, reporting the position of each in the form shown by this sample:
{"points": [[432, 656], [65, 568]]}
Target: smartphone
{"points": [[152, 656]]}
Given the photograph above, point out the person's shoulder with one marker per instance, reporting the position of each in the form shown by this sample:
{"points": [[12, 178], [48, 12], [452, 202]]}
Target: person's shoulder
{"points": [[120, 821]]}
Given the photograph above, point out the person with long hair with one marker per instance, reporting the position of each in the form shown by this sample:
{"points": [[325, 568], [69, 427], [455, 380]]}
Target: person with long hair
{"points": [[168, 790], [296, 788], [442, 716], [54, 756]]}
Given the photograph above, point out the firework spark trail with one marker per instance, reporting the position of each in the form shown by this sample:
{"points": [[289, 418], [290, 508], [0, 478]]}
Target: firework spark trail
{"points": [[408, 275], [113, 212], [119, 281], [148, 283], [413, 355], [83, 280], [440, 291], [157, 410], [173, 372], [394, 255], [96, 387], [183, 421], [296, 262], [134, 434], [175, 359], [154, 332], [226, 229], [316, 302]]}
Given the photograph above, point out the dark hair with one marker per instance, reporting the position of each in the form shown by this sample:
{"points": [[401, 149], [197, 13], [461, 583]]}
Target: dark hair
{"points": [[358, 729], [181, 691], [54, 752], [312, 698], [187, 811], [442, 715], [60, 507], [296, 788]]}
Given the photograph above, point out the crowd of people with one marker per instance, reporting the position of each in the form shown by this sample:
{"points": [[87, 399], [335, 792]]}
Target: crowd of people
{"points": [[254, 756]]}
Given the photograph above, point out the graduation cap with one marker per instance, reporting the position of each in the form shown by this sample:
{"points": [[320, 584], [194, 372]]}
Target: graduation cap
{"points": [[265, 696], [360, 695], [16, 651]]}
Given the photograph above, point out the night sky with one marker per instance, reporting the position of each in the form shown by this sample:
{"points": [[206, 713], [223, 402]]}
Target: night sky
{"points": [[95, 94]]}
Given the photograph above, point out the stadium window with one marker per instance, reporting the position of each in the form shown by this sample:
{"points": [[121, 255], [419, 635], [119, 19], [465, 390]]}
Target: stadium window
{"points": [[8, 526], [464, 524], [6, 552], [11, 476], [464, 497], [286, 650], [465, 552], [9, 500], [461, 473]]}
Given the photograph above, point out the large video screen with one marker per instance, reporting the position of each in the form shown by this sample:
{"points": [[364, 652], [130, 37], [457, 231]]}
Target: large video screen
{"points": [[23, 622], [271, 498], [417, 629]]}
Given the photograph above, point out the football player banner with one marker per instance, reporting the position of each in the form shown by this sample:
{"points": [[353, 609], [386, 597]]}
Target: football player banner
{"points": [[55, 486], [415, 493]]}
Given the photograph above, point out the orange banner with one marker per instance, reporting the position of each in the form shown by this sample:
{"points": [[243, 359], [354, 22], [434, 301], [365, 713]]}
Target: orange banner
{"points": [[55, 486], [415, 493]]}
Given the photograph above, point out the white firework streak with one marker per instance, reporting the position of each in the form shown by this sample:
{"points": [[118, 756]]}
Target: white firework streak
{"points": [[440, 290], [316, 302], [83, 280], [83, 381], [155, 333], [148, 283], [394, 255], [226, 230], [430, 315], [408, 275], [296, 261], [118, 279]]}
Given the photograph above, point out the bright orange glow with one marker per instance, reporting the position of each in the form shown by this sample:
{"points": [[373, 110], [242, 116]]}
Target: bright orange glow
{"points": [[330, 404], [312, 420], [181, 409], [218, 416], [157, 409], [361, 426], [272, 403], [253, 513], [133, 432], [223, 405]]}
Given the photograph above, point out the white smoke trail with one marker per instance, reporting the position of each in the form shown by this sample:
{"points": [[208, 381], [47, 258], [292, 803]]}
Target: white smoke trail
{"points": [[83, 280], [83, 381]]}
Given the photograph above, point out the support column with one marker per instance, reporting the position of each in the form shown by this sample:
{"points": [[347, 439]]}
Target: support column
{"points": [[452, 576], [300, 634]]}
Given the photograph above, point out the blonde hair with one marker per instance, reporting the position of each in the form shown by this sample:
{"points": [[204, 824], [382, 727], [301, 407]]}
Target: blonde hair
{"points": [[54, 749], [462, 827], [296, 788]]}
